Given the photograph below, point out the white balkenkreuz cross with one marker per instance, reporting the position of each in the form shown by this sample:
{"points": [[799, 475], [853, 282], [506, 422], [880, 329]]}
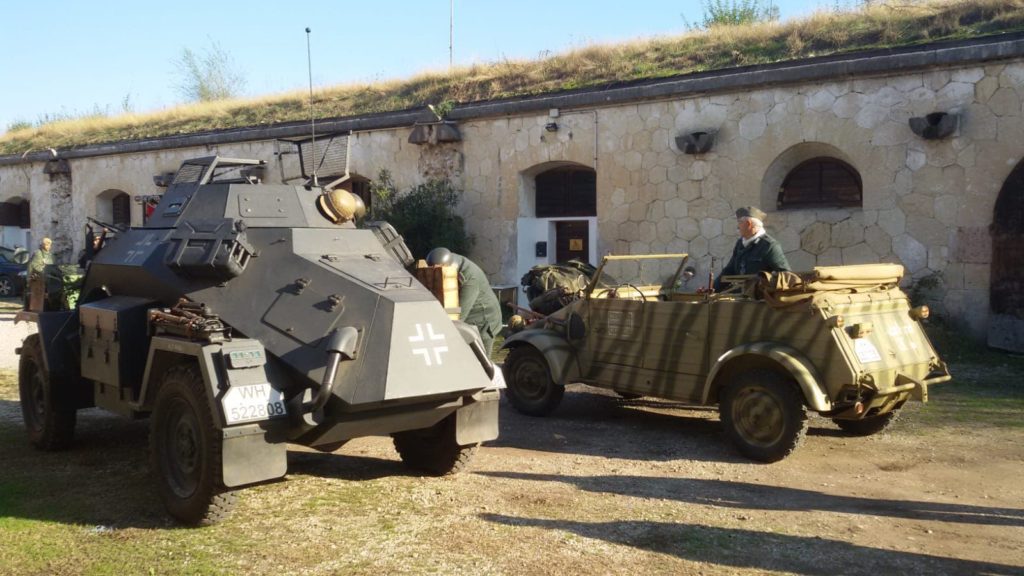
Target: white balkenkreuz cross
{"points": [[427, 339]]}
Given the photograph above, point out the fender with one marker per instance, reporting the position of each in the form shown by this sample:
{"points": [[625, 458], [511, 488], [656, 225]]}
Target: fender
{"points": [[805, 374], [559, 355], [58, 335], [250, 453]]}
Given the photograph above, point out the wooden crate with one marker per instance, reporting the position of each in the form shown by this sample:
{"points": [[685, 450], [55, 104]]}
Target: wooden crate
{"points": [[443, 283]]}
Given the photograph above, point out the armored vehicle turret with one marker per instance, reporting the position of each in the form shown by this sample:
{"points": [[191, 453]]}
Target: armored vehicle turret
{"points": [[245, 316]]}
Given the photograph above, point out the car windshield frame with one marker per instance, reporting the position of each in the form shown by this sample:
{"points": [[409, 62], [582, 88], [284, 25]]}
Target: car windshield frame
{"points": [[596, 279]]}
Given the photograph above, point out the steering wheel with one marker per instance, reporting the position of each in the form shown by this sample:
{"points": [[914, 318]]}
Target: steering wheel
{"points": [[638, 291]]}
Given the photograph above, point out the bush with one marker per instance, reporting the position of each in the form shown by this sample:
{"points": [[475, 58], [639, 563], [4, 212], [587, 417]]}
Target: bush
{"points": [[424, 214]]}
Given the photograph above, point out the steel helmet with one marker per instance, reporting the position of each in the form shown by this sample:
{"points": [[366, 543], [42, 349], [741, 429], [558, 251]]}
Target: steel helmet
{"points": [[439, 256]]}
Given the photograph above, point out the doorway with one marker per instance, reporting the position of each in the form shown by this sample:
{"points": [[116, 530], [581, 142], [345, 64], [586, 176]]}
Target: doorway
{"points": [[572, 240], [1006, 286]]}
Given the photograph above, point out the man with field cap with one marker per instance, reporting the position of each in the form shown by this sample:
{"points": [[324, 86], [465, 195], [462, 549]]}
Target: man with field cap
{"points": [[755, 251]]}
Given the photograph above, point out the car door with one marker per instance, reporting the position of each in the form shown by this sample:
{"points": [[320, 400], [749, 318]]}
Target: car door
{"points": [[676, 337], [614, 334]]}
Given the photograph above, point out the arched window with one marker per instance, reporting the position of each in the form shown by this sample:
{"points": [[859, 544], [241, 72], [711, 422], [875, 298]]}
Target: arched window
{"points": [[566, 191], [114, 207], [121, 208], [821, 182]]}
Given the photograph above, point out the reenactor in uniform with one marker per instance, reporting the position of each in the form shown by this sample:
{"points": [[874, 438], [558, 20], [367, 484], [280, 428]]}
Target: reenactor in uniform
{"points": [[755, 250], [36, 274], [479, 305]]}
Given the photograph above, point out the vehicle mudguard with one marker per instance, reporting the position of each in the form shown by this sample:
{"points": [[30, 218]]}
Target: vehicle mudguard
{"points": [[559, 354], [58, 334], [250, 453], [59, 340], [477, 420], [789, 358]]}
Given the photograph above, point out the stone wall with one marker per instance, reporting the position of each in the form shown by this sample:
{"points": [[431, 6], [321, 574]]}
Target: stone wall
{"points": [[926, 204]]}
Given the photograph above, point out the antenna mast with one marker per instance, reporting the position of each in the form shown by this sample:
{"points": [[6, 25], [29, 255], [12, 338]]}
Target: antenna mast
{"points": [[312, 116]]}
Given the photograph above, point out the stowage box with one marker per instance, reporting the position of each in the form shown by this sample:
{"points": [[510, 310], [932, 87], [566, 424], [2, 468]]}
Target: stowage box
{"points": [[114, 341]]}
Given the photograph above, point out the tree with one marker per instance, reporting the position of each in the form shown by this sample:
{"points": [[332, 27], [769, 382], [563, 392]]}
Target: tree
{"points": [[736, 13], [208, 76], [424, 214]]}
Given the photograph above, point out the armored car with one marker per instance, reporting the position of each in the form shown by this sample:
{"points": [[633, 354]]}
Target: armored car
{"points": [[245, 316]]}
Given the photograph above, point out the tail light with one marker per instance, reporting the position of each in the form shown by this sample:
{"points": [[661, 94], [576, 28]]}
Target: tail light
{"points": [[920, 312], [860, 330]]}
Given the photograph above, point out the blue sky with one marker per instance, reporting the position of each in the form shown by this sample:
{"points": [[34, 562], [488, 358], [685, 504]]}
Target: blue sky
{"points": [[69, 57]]}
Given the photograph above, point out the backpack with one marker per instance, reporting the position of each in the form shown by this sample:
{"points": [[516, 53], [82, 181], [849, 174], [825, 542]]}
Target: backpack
{"points": [[567, 278]]}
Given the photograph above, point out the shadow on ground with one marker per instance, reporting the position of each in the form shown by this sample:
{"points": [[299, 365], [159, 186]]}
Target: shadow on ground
{"points": [[104, 479], [743, 495], [751, 549], [593, 422]]}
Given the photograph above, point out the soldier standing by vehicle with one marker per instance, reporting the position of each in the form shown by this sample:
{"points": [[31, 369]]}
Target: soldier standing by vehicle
{"points": [[36, 269], [479, 305], [41, 258], [755, 251]]}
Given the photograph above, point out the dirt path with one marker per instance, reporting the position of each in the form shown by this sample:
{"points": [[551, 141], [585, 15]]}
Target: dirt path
{"points": [[603, 486], [11, 335]]}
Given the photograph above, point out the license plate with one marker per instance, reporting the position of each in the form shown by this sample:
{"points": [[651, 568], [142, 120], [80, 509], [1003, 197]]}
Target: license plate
{"points": [[252, 403], [866, 351], [245, 358]]}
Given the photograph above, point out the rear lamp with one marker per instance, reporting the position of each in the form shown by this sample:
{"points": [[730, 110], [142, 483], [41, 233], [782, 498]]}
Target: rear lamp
{"points": [[920, 312], [860, 330], [836, 321]]}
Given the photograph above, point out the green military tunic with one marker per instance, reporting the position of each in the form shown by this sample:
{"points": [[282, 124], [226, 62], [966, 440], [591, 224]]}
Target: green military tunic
{"points": [[764, 253], [479, 305], [40, 260]]}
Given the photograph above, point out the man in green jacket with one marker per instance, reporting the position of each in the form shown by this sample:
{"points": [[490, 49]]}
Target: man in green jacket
{"points": [[41, 259], [35, 290], [479, 305], [755, 250]]}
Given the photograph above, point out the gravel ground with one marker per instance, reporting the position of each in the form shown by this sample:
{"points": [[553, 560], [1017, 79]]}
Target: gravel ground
{"points": [[11, 335], [602, 486]]}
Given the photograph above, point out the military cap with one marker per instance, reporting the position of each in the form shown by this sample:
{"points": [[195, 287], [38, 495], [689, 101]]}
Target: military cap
{"points": [[751, 212]]}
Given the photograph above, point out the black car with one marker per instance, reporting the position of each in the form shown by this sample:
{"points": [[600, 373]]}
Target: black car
{"points": [[13, 265]]}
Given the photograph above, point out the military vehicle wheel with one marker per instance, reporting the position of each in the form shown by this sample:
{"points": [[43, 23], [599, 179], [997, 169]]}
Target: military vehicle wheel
{"points": [[530, 388], [764, 415], [185, 450], [867, 426], [434, 450], [49, 426]]}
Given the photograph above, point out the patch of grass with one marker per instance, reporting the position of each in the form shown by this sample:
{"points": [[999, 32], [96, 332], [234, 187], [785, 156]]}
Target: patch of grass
{"points": [[987, 388], [876, 26], [11, 304], [8, 384], [955, 348]]}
